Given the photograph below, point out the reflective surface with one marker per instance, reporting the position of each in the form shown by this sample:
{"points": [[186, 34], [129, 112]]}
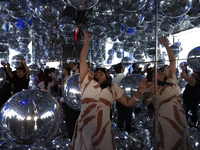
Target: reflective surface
{"points": [[30, 118], [71, 92]]}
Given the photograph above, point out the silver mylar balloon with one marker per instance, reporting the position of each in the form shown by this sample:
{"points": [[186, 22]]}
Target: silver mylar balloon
{"points": [[117, 46], [140, 139], [138, 55], [176, 21], [71, 92], [82, 4], [34, 69], [194, 138], [111, 52], [30, 118], [194, 58], [61, 143], [176, 48], [151, 47], [181, 83], [181, 65], [2, 77], [67, 25], [134, 20], [130, 84], [126, 61], [119, 54], [96, 26], [132, 5], [15, 61], [109, 61], [175, 8], [194, 12], [46, 12], [166, 27]]}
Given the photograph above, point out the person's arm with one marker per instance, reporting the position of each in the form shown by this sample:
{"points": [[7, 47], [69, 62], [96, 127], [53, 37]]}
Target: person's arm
{"points": [[26, 68], [83, 56], [51, 89], [172, 59], [129, 102], [145, 70], [191, 81], [8, 70]]}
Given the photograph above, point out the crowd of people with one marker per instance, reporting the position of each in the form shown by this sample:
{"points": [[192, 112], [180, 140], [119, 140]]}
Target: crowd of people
{"points": [[90, 128]]}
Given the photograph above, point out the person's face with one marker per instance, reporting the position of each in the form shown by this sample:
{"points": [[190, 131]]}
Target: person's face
{"points": [[195, 75], [160, 75], [136, 67], [64, 71], [20, 72], [100, 75]]}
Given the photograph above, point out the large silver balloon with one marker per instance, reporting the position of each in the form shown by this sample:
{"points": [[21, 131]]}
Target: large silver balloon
{"points": [[134, 20], [176, 48], [2, 77], [175, 8], [126, 61], [82, 4], [67, 25], [34, 69], [194, 58], [138, 55], [96, 26], [71, 92], [30, 118], [16, 60], [130, 84], [132, 5]]}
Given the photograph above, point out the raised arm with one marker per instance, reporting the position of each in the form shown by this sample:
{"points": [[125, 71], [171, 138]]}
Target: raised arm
{"points": [[83, 56], [26, 67], [172, 59], [129, 102], [190, 80], [8, 70]]}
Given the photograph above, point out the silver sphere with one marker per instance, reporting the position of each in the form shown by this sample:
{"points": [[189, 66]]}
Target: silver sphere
{"points": [[82, 4], [71, 92], [130, 84], [30, 118], [194, 58], [175, 8]]}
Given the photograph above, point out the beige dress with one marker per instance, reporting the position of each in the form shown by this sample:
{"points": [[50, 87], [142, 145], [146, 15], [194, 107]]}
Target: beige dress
{"points": [[93, 128], [171, 128]]}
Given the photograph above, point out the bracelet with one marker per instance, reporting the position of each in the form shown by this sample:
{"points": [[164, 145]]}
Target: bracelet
{"points": [[136, 99]]}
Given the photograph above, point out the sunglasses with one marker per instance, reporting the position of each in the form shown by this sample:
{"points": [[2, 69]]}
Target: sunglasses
{"points": [[104, 70]]}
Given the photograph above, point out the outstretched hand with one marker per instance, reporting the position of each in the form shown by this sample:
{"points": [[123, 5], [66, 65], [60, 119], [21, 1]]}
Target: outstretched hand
{"points": [[164, 41], [87, 36], [142, 86]]}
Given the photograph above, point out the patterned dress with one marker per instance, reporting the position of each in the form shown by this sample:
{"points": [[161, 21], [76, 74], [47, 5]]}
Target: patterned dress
{"points": [[171, 128], [93, 128]]}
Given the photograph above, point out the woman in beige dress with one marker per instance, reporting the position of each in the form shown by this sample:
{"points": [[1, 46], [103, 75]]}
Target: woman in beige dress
{"points": [[171, 130], [93, 128]]}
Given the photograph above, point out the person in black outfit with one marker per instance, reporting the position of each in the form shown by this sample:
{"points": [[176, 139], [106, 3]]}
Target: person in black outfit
{"points": [[136, 69], [191, 94], [5, 91], [20, 80]]}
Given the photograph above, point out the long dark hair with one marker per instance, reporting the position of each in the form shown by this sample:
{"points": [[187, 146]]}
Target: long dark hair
{"points": [[45, 78], [165, 79], [106, 83]]}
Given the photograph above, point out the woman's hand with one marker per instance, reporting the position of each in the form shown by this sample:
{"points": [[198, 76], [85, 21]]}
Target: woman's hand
{"points": [[142, 86], [164, 41], [87, 36]]}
